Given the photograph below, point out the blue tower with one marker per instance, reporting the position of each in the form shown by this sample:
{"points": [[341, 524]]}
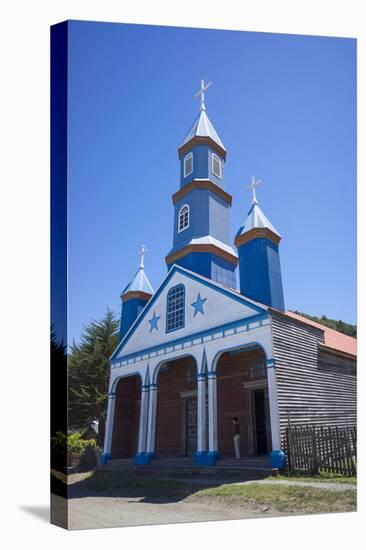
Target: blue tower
{"points": [[135, 297], [257, 242], [201, 236]]}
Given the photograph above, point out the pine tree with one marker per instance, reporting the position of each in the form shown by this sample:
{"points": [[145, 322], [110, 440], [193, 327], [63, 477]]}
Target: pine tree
{"points": [[88, 368]]}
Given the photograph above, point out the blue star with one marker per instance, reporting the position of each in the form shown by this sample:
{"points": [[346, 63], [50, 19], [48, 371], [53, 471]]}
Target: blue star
{"points": [[154, 322], [198, 305]]}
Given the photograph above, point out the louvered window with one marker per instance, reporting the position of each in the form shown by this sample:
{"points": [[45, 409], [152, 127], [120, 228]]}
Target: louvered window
{"points": [[216, 166], [188, 165]]}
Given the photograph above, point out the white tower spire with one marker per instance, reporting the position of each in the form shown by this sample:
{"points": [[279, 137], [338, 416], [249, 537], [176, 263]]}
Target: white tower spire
{"points": [[201, 92], [142, 253], [253, 184]]}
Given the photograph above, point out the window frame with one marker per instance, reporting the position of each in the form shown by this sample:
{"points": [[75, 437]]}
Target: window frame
{"points": [[185, 173], [183, 308], [213, 157], [180, 213]]}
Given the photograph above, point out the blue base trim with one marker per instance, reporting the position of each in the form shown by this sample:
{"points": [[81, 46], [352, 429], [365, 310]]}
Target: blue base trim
{"points": [[214, 454], [277, 459], [151, 455], [204, 459], [104, 457], [142, 459]]}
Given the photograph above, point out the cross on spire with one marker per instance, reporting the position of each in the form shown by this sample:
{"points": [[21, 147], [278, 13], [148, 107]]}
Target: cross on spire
{"points": [[142, 254], [253, 184], [201, 92]]}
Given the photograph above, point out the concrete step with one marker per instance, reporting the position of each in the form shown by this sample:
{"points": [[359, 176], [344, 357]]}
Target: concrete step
{"points": [[248, 466]]}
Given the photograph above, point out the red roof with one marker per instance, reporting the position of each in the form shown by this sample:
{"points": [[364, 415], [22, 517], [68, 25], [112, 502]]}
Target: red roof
{"points": [[332, 338]]}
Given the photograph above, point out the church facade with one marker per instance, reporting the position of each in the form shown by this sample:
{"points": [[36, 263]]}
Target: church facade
{"points": [[199, 351]]}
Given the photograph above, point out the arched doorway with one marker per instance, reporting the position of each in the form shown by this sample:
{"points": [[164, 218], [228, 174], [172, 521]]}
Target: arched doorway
{"points": [[126, 417], [242, 391], [176, 428]]}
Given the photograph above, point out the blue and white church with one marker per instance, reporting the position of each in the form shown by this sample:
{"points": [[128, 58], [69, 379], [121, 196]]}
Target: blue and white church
{"points": [[201, 349]]}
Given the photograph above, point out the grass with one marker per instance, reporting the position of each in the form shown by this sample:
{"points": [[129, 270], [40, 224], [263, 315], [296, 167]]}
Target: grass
{"points": [[323, 477], [284, 498]]}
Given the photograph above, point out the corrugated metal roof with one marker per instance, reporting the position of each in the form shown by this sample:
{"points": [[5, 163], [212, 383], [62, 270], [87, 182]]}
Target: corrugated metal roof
{"points": [[139, 283], [256, 219], [332, 338], [202, 127]]}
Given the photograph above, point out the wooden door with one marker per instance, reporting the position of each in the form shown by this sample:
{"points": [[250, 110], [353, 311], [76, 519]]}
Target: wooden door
{"points": [[191, 427]]}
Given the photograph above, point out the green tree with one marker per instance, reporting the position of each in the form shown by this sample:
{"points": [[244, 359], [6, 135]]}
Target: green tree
{"points": [[88, 368]]}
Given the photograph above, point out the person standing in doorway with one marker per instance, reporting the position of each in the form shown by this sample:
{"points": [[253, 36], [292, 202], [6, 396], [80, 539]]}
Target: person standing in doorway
{"points": [[236, 437]]}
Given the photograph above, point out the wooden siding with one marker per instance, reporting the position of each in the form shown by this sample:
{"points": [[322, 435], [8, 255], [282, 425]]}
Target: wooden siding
{"points": [[314, 386]]}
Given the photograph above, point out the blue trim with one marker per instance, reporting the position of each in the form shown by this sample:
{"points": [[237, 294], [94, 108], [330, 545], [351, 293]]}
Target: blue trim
{"points": [[104, 457], [145, 387], [193, 336], [204, 459], [270, 363], [142, 459], [201, 377], [277, 459], [151, 455], [208, 282], [127, 375], [211, 374], [112, 395], [153, 386]]}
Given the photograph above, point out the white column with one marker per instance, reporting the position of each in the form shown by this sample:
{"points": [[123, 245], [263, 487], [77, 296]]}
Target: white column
{"points": [[144, 410], [109, 424], [273, 405], [151, 425], [201, 413], [212, 413]]}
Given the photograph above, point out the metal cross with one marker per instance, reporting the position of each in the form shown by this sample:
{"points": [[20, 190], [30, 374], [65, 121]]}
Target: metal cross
{"points": [[254, 183], [201, 93], [142, 254]]}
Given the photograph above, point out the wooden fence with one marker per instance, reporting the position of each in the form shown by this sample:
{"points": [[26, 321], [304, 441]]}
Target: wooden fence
{"points": [[311, 449]]}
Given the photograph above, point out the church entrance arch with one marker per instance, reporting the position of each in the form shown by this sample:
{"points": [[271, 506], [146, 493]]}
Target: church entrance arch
{"points": [[176, 424], [126, 417], [242, 391]]}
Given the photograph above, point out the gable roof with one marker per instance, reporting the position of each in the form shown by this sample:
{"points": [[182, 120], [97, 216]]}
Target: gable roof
{"points": [[332, 338], [233, 294], [202, 127]]}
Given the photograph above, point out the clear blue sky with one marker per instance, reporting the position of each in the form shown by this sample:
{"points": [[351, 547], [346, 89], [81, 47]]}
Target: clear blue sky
{"points": [[285, 108]]}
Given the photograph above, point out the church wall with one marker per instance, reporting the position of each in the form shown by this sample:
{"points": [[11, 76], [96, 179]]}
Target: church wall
{"points": [[126, 418], [234, 398], [311, 388]]}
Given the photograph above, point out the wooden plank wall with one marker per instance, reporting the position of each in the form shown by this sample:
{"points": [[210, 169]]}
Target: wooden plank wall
{"points": [[314, 387]]}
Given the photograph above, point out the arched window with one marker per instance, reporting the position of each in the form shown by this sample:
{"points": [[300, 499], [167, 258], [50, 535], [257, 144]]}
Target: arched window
{"points": [[175, 308], [183, 218]]}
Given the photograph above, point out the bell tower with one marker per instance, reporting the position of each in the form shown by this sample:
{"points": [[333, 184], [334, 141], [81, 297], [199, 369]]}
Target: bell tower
{"points": [[201, 232], [258, 242]]}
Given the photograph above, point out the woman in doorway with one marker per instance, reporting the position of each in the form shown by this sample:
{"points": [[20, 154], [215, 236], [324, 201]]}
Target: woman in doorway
{"points": [[236, 437]]}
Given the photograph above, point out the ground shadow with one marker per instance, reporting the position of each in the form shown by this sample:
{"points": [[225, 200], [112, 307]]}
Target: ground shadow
{"points": [[40, 512], [156, 487]]}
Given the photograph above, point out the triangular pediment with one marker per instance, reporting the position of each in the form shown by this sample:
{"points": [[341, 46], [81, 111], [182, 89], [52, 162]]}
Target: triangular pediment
{"points": [[207, 305]]}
